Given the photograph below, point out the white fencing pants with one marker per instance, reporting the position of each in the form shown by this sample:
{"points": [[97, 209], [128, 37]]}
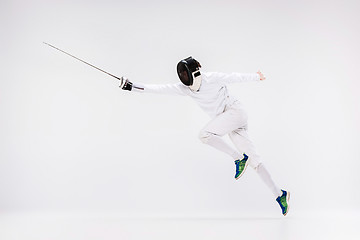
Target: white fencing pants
{"points": [[233, 121]]}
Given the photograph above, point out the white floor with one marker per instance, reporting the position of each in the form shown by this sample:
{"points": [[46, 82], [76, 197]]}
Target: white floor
{"points": [[65, 226]]}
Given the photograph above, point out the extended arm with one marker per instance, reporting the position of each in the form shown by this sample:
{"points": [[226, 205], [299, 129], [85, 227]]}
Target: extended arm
{"points": [[236, 77], [173, 89]]}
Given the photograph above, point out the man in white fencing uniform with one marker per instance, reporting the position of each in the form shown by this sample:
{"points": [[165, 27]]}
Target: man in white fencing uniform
{"points": [[228, 116]]}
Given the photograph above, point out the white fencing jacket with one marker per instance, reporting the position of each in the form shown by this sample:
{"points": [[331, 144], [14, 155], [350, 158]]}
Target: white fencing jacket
{"points": [[212, 96]]}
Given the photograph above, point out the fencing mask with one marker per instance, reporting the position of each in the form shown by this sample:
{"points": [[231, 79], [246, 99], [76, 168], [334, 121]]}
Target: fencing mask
{"points": [[189, 73]]}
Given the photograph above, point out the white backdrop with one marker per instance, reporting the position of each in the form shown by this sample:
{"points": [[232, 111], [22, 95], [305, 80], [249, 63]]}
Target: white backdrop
{"points": [[72, 141]]}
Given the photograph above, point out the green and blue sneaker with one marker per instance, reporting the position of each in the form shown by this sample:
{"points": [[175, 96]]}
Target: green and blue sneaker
{"points": [[283, 201], [241, 166]]}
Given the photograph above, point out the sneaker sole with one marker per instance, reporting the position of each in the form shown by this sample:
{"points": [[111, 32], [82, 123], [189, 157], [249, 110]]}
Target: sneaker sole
{"points": [[287, 200], [246, 164]]}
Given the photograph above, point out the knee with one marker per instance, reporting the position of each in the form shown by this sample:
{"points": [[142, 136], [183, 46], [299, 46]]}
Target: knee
{"points": [[205, 136]]}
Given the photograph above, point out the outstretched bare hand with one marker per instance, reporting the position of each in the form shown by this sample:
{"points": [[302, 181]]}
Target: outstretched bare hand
{"points": [[262, 77]]}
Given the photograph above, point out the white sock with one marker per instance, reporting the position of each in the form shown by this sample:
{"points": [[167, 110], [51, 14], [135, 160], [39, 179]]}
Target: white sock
{"points": [[265, 176]]}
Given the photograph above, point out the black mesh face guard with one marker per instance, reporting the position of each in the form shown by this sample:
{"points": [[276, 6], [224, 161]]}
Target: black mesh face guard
{"points": [[186, 70], [184, 73]]}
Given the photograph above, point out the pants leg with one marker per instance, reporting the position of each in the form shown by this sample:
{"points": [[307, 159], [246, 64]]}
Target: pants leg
{"points": [[221, 125], [242, 142]]}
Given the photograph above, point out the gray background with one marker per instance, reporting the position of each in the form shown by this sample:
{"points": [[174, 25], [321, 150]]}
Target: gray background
{"points": [[72, 141]]}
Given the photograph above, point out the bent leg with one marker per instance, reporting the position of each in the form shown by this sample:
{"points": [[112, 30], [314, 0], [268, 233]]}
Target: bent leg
{"points": [[219, 126]]}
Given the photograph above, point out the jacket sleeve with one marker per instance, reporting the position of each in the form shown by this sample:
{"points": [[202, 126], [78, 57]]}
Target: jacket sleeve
{"points": [[234, 77], [171, 89]]}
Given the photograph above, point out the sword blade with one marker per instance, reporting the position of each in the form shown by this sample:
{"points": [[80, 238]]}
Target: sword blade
{"points": [[81, 60]]}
